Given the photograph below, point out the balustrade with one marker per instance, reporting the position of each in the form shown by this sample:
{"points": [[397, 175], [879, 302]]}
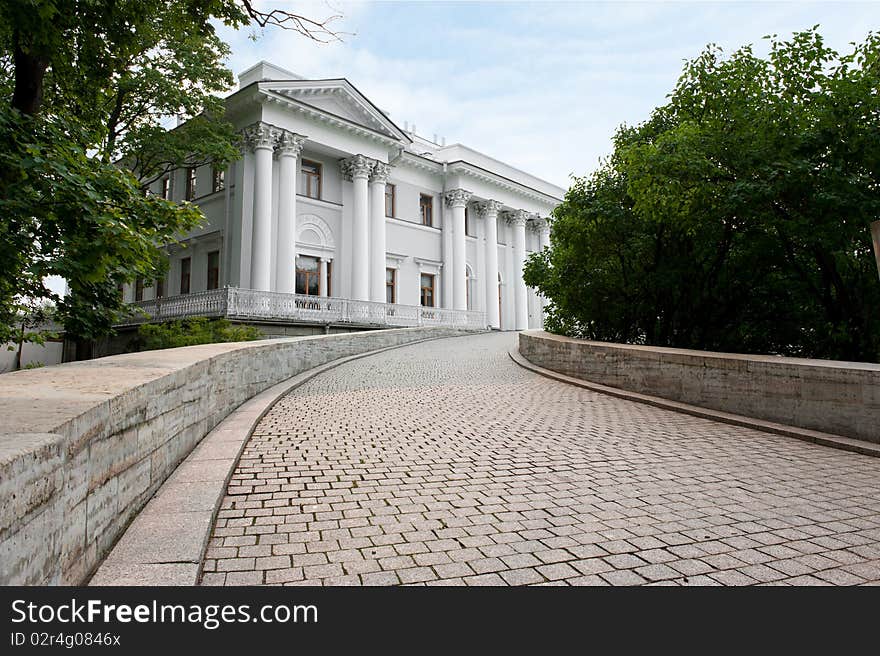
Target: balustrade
{"points": [[255, 305]]}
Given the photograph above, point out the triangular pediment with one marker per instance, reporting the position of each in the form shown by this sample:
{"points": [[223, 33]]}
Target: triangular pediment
{"points": [[338, 98]]}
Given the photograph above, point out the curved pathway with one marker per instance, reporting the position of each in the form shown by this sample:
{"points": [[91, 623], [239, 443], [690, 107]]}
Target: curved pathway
{"points": [[446, 463]]}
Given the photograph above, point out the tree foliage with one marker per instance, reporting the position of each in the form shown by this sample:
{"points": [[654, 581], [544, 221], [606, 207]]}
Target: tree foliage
{"points": [[737, 217], [89, 87]]}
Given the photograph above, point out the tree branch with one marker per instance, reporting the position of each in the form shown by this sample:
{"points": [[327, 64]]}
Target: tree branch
{"points": [[316, 30]]}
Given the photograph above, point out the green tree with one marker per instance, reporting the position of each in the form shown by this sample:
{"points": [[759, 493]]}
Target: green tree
{"points": [[738, 216], [89, 85]]}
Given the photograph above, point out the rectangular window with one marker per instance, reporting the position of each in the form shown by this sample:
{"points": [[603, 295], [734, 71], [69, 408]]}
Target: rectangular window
{"points": [[310, 176], [138, 289], [190, 183], [308, 271], [426, 208], [390, 286], [389, 200], [184, 275], [468, 225], [214, 270], [160, 287], [329, 277], [427, 290], [166, 187], [218, 180]]}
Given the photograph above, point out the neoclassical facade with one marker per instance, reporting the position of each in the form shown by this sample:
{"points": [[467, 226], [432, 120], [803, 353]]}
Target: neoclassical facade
{"points": [[331, 198]]}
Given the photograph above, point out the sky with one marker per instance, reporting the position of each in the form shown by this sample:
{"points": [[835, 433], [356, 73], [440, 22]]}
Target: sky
{"points": [[539, 85]]}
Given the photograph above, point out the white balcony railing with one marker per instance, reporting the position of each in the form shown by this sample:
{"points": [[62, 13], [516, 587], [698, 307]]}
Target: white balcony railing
{"points": [[252, 305]]}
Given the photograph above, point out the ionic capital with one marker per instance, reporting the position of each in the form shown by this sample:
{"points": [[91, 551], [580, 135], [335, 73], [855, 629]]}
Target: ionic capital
{"points": [[356, 166], [488, 208], [457, 198]]}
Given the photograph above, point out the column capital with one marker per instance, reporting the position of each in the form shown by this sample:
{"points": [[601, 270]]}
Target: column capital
{"points": [[356, 166], [540, 225], [289, 143], [457, 197], [380, 173], [518, 218], [261, 135], [489, 207]]}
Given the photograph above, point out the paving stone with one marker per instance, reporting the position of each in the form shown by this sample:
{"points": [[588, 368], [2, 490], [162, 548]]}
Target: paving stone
{"points": [[444, 463], [244, 578], [557, 571], [484, 580], [657, 572], [623, 577], [525, 576], [624, 561]]}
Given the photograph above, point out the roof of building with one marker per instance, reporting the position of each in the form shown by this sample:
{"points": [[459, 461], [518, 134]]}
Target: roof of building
{"points": [[338, 100]]}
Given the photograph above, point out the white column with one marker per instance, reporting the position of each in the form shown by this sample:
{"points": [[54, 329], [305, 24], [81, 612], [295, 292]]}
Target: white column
{"points": [[289, 147], [262, 139], [543, 232], [518, 221], [456, 200], [489, 212], [357, 169], [544, 240], [378, 179], [448, 266], [322, 282]]}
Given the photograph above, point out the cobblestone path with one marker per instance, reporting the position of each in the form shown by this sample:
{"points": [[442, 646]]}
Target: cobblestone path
{"points": [[446, 463]]}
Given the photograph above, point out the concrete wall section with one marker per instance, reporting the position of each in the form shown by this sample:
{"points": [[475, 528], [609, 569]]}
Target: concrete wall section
{"points": [[84, 445], [842, 398]]}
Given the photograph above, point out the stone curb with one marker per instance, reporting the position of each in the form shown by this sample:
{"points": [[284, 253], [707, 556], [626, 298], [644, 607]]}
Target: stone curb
{"points": [[807, 435], [165, 543]]}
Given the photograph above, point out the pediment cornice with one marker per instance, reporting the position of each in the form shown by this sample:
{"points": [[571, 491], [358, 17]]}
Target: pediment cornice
{"points": [[353, 106]]}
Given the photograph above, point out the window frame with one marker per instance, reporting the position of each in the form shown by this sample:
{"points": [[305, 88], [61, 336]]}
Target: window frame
{"points": [[308, 275], [329, 280], [190, 187], [432, 289], [215, 270], [188, 273], [393, 196], [319, 174], [138, 289], [429, 206], [218, 180], [392, 284]]}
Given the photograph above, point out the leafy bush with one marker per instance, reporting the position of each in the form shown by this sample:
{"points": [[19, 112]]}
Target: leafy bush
{"points": [[189, 332]]}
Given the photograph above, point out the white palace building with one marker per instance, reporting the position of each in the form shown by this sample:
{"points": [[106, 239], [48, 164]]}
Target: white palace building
{"points": [[336, 216]]}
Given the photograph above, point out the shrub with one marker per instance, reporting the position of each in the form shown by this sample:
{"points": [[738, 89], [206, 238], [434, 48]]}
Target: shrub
{"points": [[189, 332]]}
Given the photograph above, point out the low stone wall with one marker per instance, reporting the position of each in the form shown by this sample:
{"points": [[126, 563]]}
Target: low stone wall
{"points": [[841, 398], [84, 445]]}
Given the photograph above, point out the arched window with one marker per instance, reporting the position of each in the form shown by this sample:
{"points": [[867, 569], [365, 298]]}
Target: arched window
{"points": [[469, 287]]}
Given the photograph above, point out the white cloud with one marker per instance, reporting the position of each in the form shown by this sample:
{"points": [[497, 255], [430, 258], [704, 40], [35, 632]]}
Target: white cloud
{"points": [[539, 85]]}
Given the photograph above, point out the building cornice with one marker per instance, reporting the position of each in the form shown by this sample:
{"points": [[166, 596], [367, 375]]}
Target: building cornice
{"points": [[422, 163], [479, 173], [328, 118]]}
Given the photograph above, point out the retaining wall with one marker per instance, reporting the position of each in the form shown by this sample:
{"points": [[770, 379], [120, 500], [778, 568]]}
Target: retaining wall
{"points": [[84, 445], [841, 398]]}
